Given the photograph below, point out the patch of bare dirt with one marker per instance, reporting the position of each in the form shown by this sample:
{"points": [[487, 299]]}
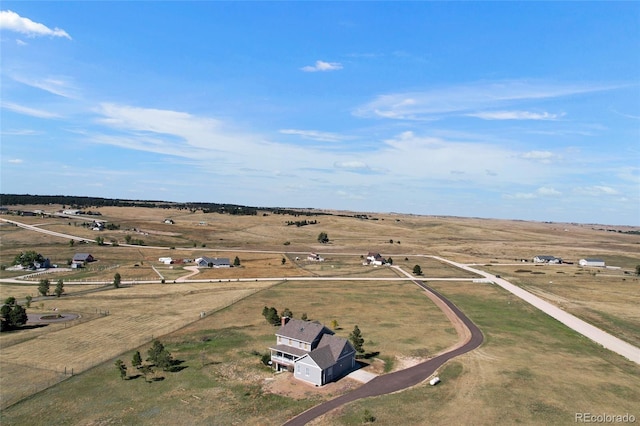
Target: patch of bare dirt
{"points": [[286, 385]]}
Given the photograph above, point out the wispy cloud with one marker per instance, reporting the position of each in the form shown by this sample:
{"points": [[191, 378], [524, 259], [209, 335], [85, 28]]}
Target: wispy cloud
{"points": [[29, 111], [544, 191], [21, 132], [515, 115], [541, 156], [597, 190], [322, 66], [468, 99], [60, 86], [353, 165], [11, 21], [15, 161], [316, 135]]}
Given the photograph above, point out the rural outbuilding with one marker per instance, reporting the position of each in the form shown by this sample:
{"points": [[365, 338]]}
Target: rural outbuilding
{"points": [[592, 262]]}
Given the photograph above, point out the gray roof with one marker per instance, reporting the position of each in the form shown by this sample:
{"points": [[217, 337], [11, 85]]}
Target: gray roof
{"points": [[339, 346], [322, 357], [81, 256], [305, 331], [289, 350], [330, 350], [216, 261]]}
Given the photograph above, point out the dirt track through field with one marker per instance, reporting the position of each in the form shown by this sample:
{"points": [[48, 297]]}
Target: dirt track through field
{"points": [[471, 338]]}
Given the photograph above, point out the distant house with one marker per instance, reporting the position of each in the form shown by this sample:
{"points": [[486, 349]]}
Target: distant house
{"points": [[74, 212], [82, 258], [169, 221], [547, 259], [592, 262], [374, 259], [43, 264], [97, 225], [165, 260], [312, 352], [213, 262], [313, 257]]}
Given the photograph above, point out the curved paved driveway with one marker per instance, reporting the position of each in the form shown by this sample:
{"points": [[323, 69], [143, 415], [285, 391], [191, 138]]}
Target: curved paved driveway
{"points": [[402, 379]]}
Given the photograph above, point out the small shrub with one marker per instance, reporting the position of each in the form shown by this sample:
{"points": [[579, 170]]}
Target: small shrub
{"points": [[368, 416]]}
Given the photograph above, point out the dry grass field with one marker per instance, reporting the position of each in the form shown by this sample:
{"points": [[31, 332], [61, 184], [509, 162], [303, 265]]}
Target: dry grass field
{"points": [[525, 372]]}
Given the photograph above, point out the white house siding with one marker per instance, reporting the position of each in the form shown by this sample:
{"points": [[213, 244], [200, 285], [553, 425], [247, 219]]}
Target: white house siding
{"points": [[591, 262], [306, 369]]}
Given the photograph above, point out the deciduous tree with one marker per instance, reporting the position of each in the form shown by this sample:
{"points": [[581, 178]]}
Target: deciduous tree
{"points": [[117, 280], [323, 237]]}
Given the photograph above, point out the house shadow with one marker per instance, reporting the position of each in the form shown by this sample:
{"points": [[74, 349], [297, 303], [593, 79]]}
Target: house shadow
{"points": [[368, 355], [27, 327]]}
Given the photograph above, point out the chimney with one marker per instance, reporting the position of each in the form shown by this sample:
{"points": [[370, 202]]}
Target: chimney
{"points": [[284, 320]]}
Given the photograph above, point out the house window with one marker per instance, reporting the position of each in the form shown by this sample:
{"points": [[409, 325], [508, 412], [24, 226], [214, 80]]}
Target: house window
{"points": [[307, 371], [299, 368], [289, 342]]}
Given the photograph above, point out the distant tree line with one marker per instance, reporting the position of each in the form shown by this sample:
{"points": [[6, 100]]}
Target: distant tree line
{"points": [[80, 203], [300, 223]]}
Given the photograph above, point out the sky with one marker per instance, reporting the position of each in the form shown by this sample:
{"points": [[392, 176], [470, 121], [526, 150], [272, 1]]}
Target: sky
{"points": [[506, 110]]}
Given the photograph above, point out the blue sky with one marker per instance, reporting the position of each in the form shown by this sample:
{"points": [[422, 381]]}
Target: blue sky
{"points": [[501, 110]]}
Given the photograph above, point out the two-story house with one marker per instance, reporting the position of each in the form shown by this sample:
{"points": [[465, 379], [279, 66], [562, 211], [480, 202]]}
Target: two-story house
{"points": [[311, 351]]}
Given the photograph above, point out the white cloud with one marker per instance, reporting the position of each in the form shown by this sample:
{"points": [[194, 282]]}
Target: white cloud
{"points": [[544, 191], [514, 115], [13, 22], [541, 156], [316, 135], [464, 99], [351, 165], [322, 66], [597, 190], [29, 111], [60, 86], [15, 161]]}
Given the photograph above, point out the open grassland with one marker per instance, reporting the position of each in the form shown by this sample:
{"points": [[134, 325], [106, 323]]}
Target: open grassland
{"points": [[606, 298], [222, 380], [135, 315], [530, 370]]}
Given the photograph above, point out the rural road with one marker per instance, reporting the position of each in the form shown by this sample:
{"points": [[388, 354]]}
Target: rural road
{"points": [[605, 339], [399, 380]]}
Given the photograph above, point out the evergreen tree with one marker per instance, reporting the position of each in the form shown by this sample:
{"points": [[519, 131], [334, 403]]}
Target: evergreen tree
{"points": [[136, 361], [357, 340], [287, 313], [236, 261], [117, 280], [304, 316], [59, 288], [323, 238], [417, 270], [122, 368], [43, 287]]}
